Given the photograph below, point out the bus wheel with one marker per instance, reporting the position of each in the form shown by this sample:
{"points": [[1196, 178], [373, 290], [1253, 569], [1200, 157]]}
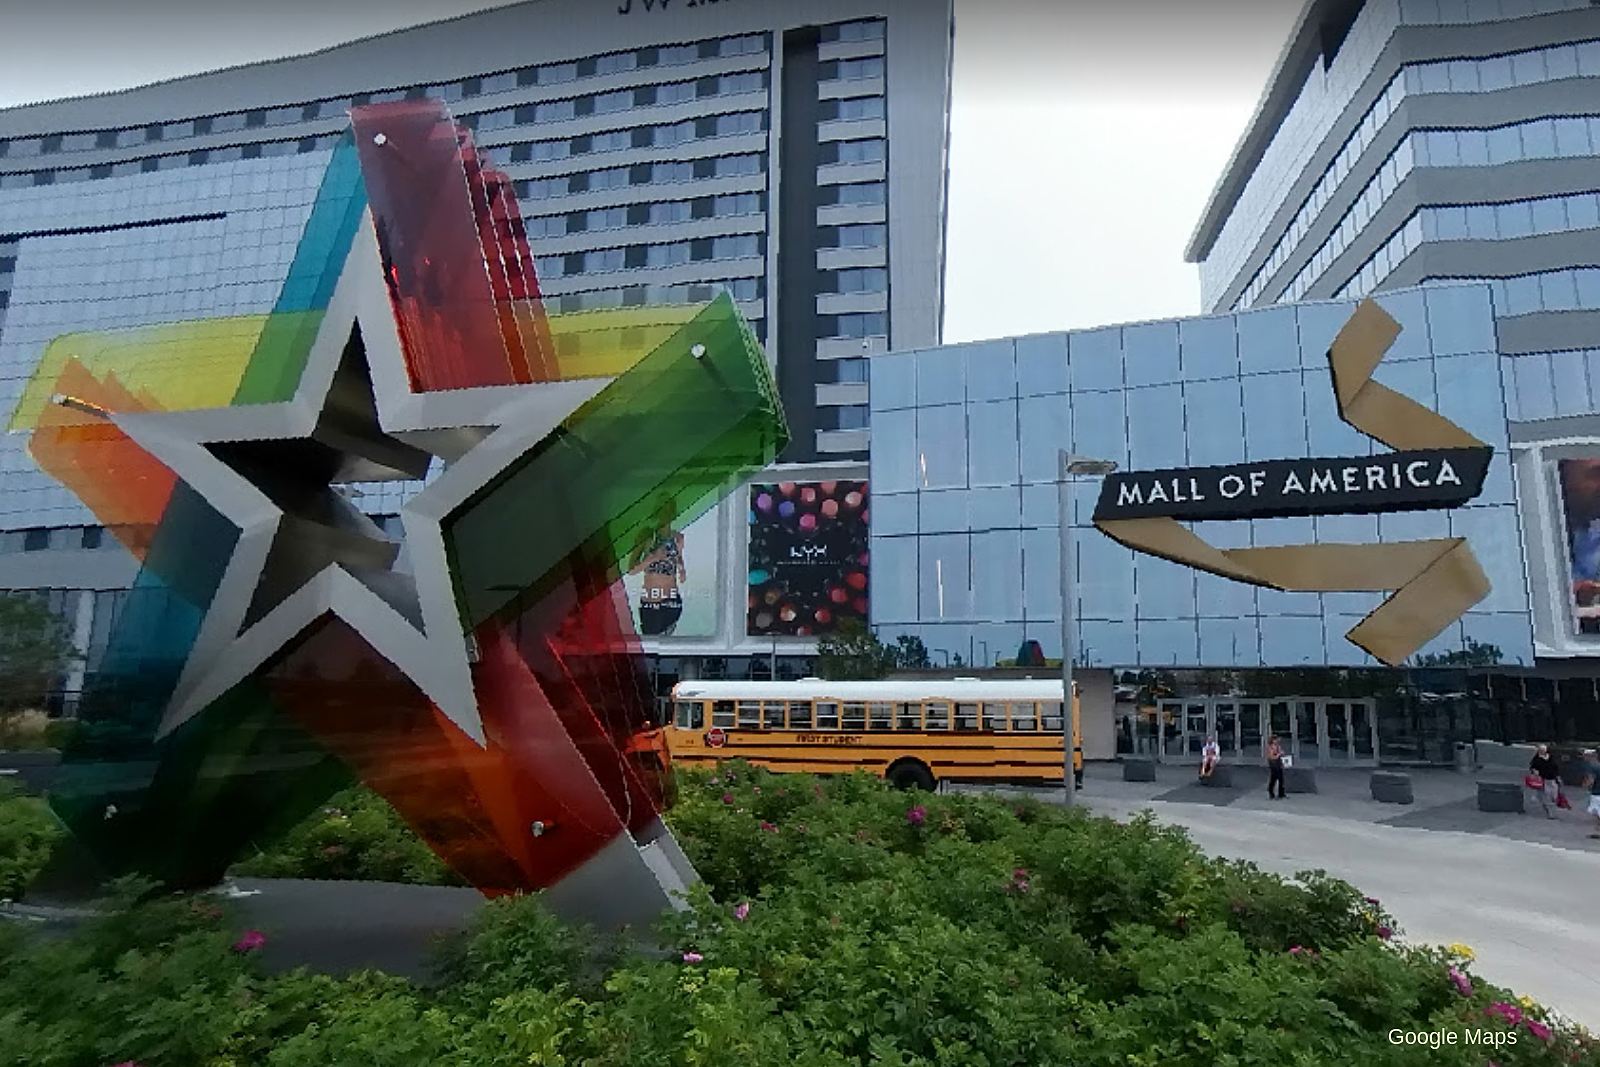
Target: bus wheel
{"points": [[910, 774]]}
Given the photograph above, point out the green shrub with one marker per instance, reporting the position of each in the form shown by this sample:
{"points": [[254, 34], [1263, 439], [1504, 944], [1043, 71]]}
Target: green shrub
{"points": [[356, 837], [28, 833], [841, 923]]}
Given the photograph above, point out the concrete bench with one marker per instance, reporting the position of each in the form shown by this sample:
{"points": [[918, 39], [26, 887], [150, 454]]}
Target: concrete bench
{"points": [[1221, 777], [1299, 780], [1138, 770], [1389, 787], [1500, 796]]}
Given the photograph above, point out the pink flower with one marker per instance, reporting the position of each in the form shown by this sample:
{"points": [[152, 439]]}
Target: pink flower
{"points": [[727, 798], [1509, 1012], [783, 792], [1019, 875], [1372, 900], [917, 815], [250, 941], [1295, 950], [1462, 983], [742, 912], [1538, 1029], [756, 789], [692, 957], [768, 827], [1384, 933]]}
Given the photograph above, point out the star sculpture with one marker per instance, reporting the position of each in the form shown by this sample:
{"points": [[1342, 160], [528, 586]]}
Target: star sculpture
{"points": [[480, 671]]}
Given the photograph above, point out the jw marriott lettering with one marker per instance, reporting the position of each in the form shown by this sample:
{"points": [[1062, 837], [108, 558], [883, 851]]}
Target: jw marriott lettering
{"points": [[1395, 481]]}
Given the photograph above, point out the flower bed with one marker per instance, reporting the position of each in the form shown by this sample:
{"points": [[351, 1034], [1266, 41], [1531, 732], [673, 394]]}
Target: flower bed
{"points": [[840, 923]]}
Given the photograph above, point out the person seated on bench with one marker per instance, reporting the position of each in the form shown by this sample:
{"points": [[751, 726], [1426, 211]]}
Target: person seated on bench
{"points": [[1210, 756]]}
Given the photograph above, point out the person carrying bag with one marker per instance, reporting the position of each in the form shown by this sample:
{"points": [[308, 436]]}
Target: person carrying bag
{"points": [[1544, 780]]}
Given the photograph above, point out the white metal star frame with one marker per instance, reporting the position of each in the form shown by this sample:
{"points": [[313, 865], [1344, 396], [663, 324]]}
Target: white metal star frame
{"points": [[401, 601]]}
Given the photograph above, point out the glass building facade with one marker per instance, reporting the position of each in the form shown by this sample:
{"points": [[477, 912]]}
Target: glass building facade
{"points": [[965, 542], [660, 158], [966, 532]]}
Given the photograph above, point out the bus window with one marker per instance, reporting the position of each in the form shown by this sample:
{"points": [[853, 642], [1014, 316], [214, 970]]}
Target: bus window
{"points": [[1051, 713], [691, 715], [910, 716], [772, 711], [855, 717], [880, 716], [722, 714], [750, 714], [994, 717], [1024, 717], [799, 714], [827, 715], [936, 715], [966, 717]]}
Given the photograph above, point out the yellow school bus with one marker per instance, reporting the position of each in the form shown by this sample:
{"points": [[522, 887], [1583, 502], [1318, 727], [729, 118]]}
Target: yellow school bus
{"points": [[914, 733]]}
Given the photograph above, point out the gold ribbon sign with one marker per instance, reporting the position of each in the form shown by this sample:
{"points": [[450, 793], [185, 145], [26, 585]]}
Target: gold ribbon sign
{"points": [[1432, 582]]}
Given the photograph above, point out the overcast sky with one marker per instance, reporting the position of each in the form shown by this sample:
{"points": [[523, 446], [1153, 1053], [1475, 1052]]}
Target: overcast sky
{"points": [[1086, 134]]}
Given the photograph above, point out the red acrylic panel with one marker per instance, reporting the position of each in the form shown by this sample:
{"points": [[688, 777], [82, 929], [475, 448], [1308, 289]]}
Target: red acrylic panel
{"points": [[475, 805], [580, 644], [433, 258], [381, 725], [503, 239]]}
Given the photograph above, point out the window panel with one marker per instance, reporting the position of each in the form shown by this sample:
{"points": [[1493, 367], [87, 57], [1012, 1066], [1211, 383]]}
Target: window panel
{"points": [[997, 576], [945, 582], [895, 468], [1274, 416], [1042, 364], [1208, 348], [1045, 430], [942, 447], [993, 443]]}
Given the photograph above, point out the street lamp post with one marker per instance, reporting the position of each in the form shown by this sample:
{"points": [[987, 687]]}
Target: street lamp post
{"points": [[1072, 466]]}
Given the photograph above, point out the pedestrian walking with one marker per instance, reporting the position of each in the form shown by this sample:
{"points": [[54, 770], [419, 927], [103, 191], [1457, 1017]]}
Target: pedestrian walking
{"points": [[1274, 768], [1591, 782], [1544, 780]]}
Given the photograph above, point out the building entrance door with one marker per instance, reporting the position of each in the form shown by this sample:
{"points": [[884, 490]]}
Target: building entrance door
{"points": [[1316, 732], [1350, 731]]}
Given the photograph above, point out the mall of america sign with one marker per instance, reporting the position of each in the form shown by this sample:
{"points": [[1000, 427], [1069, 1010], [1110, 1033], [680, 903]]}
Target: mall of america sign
{"points": [[1436, 464]]}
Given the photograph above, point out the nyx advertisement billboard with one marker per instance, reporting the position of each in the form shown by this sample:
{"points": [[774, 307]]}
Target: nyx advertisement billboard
{"points": [[808, 558]]}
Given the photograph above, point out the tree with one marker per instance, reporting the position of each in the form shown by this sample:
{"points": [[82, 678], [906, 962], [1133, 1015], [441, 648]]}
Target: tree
{"points": [[35, 650], [910, 654], [1475, 654], [852, 653]]}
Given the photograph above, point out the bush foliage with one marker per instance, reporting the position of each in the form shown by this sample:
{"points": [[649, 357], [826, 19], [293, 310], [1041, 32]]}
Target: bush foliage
{"points": [[28, 833], [840, 923], [356, 836]]}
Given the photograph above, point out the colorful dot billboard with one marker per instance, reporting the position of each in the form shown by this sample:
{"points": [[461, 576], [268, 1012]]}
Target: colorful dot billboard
{"points": [[808, 558]]}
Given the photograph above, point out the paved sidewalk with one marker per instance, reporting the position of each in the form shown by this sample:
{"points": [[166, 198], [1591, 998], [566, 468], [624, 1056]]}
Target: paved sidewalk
{"points": [[1520, 889], [1445, 800]]}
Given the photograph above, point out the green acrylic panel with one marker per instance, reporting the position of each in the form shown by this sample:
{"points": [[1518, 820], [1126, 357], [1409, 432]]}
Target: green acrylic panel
{"points": [[660, 444], [233, 775]]}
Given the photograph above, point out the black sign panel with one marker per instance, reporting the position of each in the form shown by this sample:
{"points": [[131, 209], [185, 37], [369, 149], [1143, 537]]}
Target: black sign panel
{"points": [[1351, 485]]}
